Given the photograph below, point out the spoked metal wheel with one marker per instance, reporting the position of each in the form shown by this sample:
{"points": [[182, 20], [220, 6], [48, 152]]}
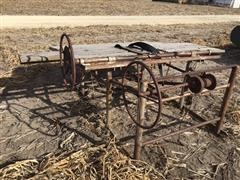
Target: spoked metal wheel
{"points": [[67, 61], [135, 76]]}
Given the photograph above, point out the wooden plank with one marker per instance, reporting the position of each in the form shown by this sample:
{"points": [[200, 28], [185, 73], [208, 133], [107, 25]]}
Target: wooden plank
{"points": [[86, 51], [168, 47], [179, 47], [42, 57], [97, 50]]}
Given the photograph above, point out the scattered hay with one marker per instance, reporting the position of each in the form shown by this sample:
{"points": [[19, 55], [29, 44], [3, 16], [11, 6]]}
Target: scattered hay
{"points": [[101, 162], [20, 169], [235, 115]]}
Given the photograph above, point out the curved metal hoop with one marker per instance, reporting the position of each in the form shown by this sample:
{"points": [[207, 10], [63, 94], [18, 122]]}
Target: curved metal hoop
{"points": [[157, 98], [67, 61]]}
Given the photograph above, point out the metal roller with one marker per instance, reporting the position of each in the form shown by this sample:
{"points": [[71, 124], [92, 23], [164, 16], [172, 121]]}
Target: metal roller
{"points": [[197, 83]]}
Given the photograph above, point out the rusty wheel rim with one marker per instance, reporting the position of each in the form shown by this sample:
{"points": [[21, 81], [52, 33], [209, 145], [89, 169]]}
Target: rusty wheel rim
{"points": [[156, 99], [67, 61]]}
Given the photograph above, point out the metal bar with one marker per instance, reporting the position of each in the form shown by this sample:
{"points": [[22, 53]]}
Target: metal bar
{"points": [[82, 82], [165, 88], [194, 53], [194, 114], [148, 98], [139, 130], [147, 93], [160, 68], [185, 88], [190, 93], [176, 68], [204, 92], [173, 83], [173, 87], [226, 97], [108, 98], [105, 63], [215, 69], [179, 132]]}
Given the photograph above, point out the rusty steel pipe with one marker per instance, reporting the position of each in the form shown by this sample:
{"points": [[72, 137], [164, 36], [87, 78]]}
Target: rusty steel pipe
{"points": [[198, 72], [109, 98], [167, 88], [148, 60], [190, 93], [176, 68], [164, 88], [139, 130], [203, 93], [227, 95], [179, 132], [183, 95]]}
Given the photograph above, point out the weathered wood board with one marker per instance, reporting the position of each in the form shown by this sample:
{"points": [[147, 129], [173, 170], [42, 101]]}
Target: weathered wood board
{"points": [[107, 50], [48, 56]]}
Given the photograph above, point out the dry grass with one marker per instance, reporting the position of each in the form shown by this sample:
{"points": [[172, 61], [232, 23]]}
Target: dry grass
{"points": [[234, 117], [9, 57], [19, 169], [99, 162], [108, 162], [8, 61], [109, 7]]}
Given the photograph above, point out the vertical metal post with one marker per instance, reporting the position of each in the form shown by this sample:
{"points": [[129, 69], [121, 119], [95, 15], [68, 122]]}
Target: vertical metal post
{"points": [[109, 98], [226, 98], [184, 89], [160, 68], [82, 80], [82, 88], [139, 130]]}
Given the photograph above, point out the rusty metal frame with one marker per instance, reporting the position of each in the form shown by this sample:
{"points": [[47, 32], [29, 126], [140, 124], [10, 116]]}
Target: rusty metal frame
{"points": [[144, 94], [162, 84]]}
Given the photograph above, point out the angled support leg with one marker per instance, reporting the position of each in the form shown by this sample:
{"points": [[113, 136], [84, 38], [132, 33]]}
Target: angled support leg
{"points": [[226, 98]]}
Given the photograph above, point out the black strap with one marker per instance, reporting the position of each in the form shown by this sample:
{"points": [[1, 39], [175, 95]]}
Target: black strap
{"points": [[141, 46], [144, 46], [128, 49]]}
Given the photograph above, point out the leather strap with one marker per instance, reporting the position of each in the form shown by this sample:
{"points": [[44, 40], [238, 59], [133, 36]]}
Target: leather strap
{"points": [[128, 49], [144, 46], [137, 47]]}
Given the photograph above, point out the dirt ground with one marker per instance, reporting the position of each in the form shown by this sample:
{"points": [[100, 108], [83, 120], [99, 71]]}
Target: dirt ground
{"points": [[39, 116], [20, 22], [109, 7]]}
